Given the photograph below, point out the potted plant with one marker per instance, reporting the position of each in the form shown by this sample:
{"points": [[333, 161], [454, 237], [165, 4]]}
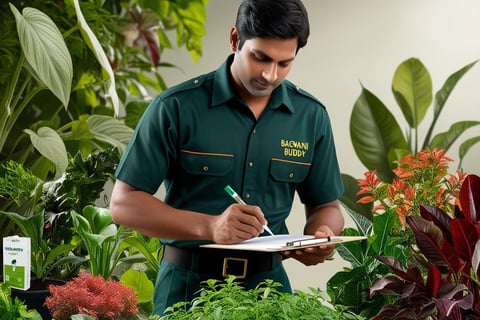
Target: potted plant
{"points": [[441, 281], [376, 134], [420, 179]]}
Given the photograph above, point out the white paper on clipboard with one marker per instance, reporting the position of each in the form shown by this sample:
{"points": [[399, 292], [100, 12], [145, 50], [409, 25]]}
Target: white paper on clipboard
{"points": [[283, 242]]}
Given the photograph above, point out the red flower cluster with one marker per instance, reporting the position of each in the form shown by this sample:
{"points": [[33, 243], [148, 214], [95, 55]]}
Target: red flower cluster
{"points": [[420, 179], [94, 296]]}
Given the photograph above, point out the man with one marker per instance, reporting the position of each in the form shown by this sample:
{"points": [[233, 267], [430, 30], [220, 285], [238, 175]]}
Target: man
{"points": [[245, 126]]}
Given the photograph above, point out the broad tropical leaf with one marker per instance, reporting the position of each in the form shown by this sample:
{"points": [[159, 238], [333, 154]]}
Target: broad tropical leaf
{"points": [[51, 146], [412, 89], [110, 130], [375, 134], [45, 51]]}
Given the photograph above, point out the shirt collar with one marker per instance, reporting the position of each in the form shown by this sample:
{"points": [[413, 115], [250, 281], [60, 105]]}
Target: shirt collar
{"points": [[223, 90]]}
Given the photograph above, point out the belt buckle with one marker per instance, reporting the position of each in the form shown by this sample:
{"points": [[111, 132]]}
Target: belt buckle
{"points": [[242, 275]]}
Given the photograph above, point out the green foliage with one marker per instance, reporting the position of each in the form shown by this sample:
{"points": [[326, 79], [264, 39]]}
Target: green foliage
{"points": [[46, 256], [68, 67], [13, 309], [229, 300], [377, 136], [109, 245], [348, 288]]}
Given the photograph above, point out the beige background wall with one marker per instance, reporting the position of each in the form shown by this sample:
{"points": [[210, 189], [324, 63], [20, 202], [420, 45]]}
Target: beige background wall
{"points": [[362, 41]]}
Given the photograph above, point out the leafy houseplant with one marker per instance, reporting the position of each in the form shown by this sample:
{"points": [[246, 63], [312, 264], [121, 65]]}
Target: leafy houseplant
{"points": [[376, 135], [229, 300], [448, 248], [93, 296], [68, 67], [423, 178]]}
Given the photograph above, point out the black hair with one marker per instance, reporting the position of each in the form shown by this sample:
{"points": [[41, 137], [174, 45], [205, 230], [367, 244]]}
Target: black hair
{"points": [[280, 19]]}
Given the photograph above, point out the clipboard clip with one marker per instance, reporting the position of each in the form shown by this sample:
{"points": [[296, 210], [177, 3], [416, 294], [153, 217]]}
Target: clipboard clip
{"points": [[307, 242]]}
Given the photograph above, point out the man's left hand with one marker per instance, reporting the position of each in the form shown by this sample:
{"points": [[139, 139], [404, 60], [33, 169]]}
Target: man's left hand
{"points": [[314, 255]]}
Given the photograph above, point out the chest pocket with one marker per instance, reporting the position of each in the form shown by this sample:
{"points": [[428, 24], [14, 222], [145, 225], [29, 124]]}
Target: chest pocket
{"points": [[206, 164], [288, 171]]}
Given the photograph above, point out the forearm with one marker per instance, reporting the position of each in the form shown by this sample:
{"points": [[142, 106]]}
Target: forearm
{"points": [[143, 212], [328, 214]]}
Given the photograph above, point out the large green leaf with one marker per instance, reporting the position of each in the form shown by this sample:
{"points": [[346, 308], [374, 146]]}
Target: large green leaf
{"points": [[99, 53], [110, 130], [51, 146], [412, 88], [45, 51], [375, 134], [139, 282]]}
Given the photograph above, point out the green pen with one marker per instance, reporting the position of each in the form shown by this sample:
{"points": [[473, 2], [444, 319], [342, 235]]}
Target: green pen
{"points": [[237, 198]]}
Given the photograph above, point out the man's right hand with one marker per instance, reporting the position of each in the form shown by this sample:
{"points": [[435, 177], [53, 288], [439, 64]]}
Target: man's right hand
{"points": [[237, 223]]}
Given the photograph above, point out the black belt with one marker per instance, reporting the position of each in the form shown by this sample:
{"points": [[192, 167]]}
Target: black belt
{"points": [[219, 264]]}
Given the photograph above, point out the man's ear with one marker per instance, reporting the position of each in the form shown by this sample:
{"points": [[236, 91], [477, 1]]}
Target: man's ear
{"points": [[234, 39]]}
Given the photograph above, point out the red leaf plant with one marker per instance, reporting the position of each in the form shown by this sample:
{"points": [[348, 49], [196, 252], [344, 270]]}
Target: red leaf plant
{"points": [[442, 281], [94, 296]]}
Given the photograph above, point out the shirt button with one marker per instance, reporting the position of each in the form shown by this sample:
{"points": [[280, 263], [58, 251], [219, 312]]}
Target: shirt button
{"points": [[247, 195], [291, 175], [195, 81], [250, 164], [205, 168]]}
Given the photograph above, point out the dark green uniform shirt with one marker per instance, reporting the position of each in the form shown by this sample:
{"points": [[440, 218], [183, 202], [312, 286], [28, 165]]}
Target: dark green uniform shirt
{"points": [[198, 137]]}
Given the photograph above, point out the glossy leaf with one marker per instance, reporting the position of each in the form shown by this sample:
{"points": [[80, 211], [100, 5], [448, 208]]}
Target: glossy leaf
{"points": [[412, 89], [45, 51], [138, 281], [430, 241], [375, 134], [464, 237], [470, 199]]}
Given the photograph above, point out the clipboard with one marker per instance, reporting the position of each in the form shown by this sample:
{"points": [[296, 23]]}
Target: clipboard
{"points": [[283, 242]]}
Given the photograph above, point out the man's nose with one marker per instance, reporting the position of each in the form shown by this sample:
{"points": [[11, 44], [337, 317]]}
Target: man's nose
{"points": [[270, 72]]}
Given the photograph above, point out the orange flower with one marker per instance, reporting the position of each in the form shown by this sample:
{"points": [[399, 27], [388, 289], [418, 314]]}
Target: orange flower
{"points": [[419, 179]]}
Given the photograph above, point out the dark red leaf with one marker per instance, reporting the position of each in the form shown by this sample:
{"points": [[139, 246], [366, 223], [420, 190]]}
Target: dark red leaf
{"points": [[470, 198], [430, 241], [433, 281], [464, 237], [456, 297], [439, 217], [413, 274]]}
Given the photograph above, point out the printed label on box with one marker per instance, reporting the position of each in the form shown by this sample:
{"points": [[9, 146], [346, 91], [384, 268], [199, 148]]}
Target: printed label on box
{"points": [[17, 261]]}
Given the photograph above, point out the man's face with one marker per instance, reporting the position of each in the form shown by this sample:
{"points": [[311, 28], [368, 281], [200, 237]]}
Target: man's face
{"points": [[262, 64]]}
